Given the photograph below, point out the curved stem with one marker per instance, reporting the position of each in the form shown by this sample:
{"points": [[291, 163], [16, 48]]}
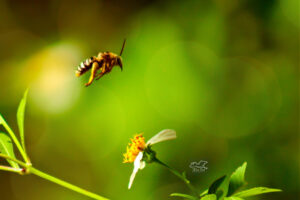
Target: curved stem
{"points": [[29, 169], [10, 169], [13, 159], [179, 175], [65, 184]]}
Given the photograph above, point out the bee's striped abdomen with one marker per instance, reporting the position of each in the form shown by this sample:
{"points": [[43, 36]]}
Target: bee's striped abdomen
{"points": [[84, 66]]}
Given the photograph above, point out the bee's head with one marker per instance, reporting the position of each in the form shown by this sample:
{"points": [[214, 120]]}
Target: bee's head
{"points": [[119, 62]]}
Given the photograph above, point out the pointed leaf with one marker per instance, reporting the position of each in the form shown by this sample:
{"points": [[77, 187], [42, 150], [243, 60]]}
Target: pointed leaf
{"points": [[215, 185], [184, 175], [20, 118], [14, 138], [256, 191], [186, 196], [237, 180], [220, 194], [209, 197], [2, 121], [6, 147], [204, 193]]}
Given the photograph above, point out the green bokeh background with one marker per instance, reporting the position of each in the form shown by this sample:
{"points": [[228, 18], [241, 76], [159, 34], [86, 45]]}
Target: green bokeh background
{"points": [[223, 74]]}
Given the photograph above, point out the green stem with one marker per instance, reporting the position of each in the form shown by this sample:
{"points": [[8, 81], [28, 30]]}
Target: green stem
{"points": [[32, 170], [14, 138], [15, 160], [65, 184], [179, 175], [10, 169]]}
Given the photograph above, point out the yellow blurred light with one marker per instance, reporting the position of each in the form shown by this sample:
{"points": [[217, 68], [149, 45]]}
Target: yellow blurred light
{"points": [[53, 84]]}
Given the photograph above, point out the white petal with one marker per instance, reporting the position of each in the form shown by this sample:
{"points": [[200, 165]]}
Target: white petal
{"points": [[142, 164], [137, 165], [167, 134]]}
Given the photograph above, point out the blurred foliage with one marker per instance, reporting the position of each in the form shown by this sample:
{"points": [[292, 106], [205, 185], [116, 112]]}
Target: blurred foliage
{"points": [[230, 189], [223, 74]]}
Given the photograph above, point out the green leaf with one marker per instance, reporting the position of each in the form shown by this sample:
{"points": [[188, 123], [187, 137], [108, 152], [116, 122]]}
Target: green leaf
{"points": [[6, 147], [233, 198], [237, 180], [209, 197], [183, 196], [204, 193], [256, 191], [1, 120], [184, 174], [215, 185], [220, 194], [20, 118]]}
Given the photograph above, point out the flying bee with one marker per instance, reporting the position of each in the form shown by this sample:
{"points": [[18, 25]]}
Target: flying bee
{"points": [[103, 62]]}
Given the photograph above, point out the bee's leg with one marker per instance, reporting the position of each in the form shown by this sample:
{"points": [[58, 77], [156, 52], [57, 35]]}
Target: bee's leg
{"points": [[95, 67], [101, 73]]}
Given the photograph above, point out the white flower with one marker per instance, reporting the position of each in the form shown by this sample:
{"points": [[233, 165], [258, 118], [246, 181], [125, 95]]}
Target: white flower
{"points": [[135, 151]]}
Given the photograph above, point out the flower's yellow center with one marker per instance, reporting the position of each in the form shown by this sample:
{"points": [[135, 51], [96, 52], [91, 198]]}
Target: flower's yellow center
{"points": [[134, 148]]}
